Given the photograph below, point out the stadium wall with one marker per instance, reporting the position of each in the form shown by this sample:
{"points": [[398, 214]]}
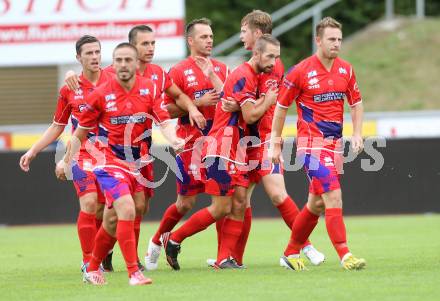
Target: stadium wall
{"points": [[407, 183]]}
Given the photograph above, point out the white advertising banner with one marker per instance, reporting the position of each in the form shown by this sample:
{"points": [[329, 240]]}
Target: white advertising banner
{"points": [[43, 32]]}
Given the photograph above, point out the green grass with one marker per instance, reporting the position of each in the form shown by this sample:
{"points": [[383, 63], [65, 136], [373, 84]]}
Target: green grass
{"points": [[402, 253], [397, 70]]}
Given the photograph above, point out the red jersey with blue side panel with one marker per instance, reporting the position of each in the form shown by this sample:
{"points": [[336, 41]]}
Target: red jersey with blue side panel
{"points": [[319, 96], [260, 165], [194, 83], [122, 117], [229, 151], [71, 104], [162, 80]]}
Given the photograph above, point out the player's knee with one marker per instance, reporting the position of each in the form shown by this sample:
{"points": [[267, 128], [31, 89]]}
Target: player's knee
{"points": [[278, 197], [110, 224], [88, 205], [140, 208], [184, 204]]}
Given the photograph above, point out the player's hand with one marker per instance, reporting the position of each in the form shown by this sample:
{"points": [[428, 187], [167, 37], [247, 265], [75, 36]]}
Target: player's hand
{"points": [[229, 104], [61, 170], [178, 144], [271, 95], [274, 152], [72, 80], [210, 98], [195, 117], [205, 65], [26, 160], [357, 144]]}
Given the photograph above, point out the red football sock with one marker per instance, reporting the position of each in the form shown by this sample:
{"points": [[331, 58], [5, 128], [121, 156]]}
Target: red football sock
{"points": [[199, 221], [303, 225], [218, 227], [127, 243], [336, 230], [242, 241], [86, 232], [137, 230], [104, 242], [231, 231], [98, 223], [289, 211], [170, 218]]}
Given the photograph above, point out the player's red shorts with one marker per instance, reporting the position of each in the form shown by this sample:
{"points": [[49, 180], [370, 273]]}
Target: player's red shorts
{"points": [[147, 173], [115, 183], [222, 175], [260, 165], [323, 169], [192, 173], [85, 182]]}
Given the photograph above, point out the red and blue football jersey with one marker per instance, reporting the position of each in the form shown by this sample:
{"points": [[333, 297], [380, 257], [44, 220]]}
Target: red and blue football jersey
{"points": [[319, 96], [230, 127], [123, 117], [194, 83]]}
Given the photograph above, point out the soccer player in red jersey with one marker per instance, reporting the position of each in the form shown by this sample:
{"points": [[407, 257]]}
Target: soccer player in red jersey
{"points": [[253, 26], [71, 104], [143, 38], [319, 85], [201, 78], [225, 155], [121, 107]]}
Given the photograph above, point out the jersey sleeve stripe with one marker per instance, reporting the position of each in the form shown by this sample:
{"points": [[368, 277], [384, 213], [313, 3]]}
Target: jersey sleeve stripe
{"points": [[280, 105], [249, 99]]}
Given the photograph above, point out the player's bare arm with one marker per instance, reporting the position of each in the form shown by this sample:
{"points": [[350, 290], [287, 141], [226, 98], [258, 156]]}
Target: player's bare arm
{"points": [[78, 136], [253, 112], [49, 136], [169, 132], [206, 66], [72, 80], [275, 140], [357, 114], [184, 105]]}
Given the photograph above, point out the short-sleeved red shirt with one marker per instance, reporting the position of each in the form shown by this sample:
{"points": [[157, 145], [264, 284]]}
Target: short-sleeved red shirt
{"points": [[123, 117], [319, 96]]}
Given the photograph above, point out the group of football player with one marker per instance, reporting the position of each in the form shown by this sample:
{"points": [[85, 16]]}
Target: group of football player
{"points": [[227, 140]]}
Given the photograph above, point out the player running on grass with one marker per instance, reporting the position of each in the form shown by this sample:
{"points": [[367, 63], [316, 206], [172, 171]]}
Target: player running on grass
{"points": [[121, 107], [71, 104], [319, 85]]}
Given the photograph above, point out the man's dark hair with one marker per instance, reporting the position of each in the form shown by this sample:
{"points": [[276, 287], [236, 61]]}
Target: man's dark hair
{"points": [[85, 40], [125, 45], [132, 35], [190, 26]]}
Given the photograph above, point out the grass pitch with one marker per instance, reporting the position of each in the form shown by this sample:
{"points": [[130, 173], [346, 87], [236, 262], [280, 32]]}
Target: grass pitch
{"points": [[402, 253]]}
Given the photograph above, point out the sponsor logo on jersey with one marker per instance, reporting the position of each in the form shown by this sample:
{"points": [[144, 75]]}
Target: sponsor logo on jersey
{"points": [[328, 161], [190, 78], [143, 92], [110, 106], [288, 84], [200, 93], [313, 82], [78, 94], [188, 72], [331, 96], [110, 97], [82, 107], [342, 70], [127, 119], [312, 74]]}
